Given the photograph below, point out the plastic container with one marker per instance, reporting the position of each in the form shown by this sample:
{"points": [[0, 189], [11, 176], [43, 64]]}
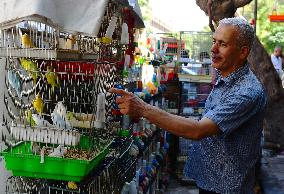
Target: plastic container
{"points": [[22, 162]]}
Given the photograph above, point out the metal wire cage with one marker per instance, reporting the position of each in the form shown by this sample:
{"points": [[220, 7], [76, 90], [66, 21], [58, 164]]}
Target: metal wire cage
{"points": [[197, 46], [45, 65], [42, 39], [109, 177]]}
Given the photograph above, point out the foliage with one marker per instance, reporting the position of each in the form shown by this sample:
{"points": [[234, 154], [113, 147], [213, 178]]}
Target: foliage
{"points": [[269, 33], [145, 9]]}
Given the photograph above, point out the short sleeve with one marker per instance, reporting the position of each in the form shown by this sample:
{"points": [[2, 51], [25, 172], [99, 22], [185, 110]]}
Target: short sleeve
{"points": [[233, 112]]}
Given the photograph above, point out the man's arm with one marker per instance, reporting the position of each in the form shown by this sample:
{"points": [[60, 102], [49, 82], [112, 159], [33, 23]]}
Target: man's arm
{"points": [[180, 126], [177, 125]]}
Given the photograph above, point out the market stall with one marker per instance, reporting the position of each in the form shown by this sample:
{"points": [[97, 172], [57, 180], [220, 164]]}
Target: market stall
{"points": [[62, 130]]}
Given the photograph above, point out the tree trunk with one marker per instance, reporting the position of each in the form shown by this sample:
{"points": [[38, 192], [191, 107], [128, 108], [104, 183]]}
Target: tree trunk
{"points": [[263, 68], [222, 8]]}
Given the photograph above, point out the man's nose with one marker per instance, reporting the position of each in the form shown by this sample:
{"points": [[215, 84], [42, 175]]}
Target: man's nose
{"points": [[214, 48]]}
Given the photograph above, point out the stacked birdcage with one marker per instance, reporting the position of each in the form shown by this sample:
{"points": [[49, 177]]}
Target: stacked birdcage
{"points": [[58, 110]]}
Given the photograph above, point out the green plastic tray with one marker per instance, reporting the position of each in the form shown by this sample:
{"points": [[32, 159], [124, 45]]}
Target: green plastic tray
{"points": [[22, 162]]}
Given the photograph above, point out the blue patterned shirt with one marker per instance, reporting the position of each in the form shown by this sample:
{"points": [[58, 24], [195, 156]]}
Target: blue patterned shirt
{"points": [[225, 163]]}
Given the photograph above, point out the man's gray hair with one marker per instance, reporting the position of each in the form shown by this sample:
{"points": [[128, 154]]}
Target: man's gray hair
{"points": [[246, 34], [277, 47]]}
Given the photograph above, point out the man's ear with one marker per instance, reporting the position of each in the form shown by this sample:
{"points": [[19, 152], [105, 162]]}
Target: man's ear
{"points": [[244, 52]]}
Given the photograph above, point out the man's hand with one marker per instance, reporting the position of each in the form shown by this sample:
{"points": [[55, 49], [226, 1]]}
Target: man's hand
{"points": [[129, 104], [135, 107]]}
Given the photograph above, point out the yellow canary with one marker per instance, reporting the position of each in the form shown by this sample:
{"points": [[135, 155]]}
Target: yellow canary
{"points": [[29, 118], [26, 41], [52, 78], [72, 185], [38, 104], [31, 68], [70, 42], [105, 40], [70, 116]]}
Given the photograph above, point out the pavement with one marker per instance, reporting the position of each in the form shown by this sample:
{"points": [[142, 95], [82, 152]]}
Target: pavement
{"points": [[272, 174], [271, 178], [176, 188]]}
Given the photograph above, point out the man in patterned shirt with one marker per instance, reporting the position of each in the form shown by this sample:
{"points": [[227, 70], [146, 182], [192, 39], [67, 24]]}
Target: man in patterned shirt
{"points": [[227, 146]]}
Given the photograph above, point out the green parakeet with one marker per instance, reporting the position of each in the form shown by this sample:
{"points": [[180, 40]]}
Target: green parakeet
{"points": [[29, 118], [30, 67], [52, 78]]}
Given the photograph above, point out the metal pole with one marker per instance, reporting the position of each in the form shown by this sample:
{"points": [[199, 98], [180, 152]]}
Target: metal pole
{"points": [[255, 15], [177, 68]]}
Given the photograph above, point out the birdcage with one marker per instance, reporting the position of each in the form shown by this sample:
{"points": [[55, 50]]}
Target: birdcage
{"points": [[108, 177], [58, 111]]}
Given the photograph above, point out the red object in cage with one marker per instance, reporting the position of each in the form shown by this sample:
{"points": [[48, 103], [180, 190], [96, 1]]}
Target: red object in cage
{"points": [[73, 70]]}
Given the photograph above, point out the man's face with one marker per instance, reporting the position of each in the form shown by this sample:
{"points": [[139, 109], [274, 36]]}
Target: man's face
{"points": [[225, 50], [277, 52]]}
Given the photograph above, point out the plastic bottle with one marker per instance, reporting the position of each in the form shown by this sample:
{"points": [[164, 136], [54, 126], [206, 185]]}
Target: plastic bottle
{"points": [[100, 113], [132, 187], [124, 34], [125, 189], [111, 27]]}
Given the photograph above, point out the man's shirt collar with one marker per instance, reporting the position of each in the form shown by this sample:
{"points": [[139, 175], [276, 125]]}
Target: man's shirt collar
{"points": [[230, 79]]}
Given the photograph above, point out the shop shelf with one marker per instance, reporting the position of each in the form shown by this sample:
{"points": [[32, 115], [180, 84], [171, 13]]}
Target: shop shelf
{"points": [[195, 78]]}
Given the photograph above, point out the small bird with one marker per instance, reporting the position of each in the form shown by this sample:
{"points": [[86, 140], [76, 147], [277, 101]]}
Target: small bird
{"points": [[70, 42], [105, 40], [35, 148], [60, 109], [59, 151], [31, 68], [40, 122], [72, 185], [52, 78], [29, 118], [38, 104], [15, 82], [70, 116], [59, 121], [26, 41]]}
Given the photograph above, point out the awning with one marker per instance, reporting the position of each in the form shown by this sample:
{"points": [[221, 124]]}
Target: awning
{"points": [[84, 16]]}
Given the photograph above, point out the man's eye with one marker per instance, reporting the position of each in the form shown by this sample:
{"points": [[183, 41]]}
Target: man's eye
{"points": [[223, 44]]}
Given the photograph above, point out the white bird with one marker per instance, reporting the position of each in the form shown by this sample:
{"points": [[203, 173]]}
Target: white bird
{"points": [[59, 121], [60, 109], [35, 148], [15, 82], [40, 122], [59, 151]]}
